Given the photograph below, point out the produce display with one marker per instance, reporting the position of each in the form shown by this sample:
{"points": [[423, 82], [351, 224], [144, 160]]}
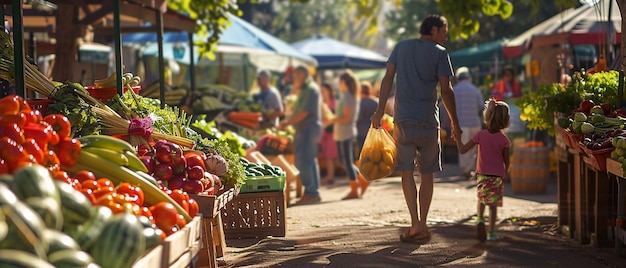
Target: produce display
{"points": [[88, 182]]}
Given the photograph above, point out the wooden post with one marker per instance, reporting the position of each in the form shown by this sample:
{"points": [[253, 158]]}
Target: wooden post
{"points": [[18, 46]]}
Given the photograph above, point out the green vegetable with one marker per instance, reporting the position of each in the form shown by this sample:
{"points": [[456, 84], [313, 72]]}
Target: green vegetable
{"points": [[597, 109], [82, 118], [576, 127], [587, 128], [580, 117], [235, 175], [564, 122]]}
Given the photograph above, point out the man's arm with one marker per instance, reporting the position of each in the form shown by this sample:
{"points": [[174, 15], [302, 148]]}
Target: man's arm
{"points": [[385, 90], [447, 95]]}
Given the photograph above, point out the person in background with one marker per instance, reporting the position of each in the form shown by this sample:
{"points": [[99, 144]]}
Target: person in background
{"points": [[307, 122], [492, 164], [419, 65], [270, 98], [328, 150], [345, 132], [507, 87], [469, 106], [367, 107]]}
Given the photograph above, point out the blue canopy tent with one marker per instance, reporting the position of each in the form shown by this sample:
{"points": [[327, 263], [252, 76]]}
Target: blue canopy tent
{"points": [[238, 34], [333, 54]]}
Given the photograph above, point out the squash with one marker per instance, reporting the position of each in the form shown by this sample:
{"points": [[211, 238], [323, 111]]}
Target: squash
{"points": [[216, 164]]}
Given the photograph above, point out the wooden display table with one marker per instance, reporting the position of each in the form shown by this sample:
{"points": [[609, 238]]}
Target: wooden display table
{"points": [[212, 232], [584, 198], [616, 173]]}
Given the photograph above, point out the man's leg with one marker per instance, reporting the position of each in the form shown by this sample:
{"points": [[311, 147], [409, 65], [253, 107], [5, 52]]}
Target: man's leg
{"points": [[425, 197], [410, 196]]}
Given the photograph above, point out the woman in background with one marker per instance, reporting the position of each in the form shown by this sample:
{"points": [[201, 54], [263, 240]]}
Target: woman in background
{"points": [[328, 148]]}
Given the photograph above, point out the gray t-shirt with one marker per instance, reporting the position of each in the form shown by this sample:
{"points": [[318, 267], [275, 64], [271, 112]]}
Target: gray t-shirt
{"points": [[419, 63], [310, 101], [469, 104], [347, 130]]}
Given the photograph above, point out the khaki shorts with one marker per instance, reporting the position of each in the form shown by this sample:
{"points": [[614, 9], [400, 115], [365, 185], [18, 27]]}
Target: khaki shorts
{"points": [[417, 144]]}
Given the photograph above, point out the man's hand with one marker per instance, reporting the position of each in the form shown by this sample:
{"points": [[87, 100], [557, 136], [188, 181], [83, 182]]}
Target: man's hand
{"points": [[457, 133], [376, 119]]}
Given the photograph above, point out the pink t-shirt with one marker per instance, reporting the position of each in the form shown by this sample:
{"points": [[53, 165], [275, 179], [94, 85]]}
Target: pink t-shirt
{"points": [[490, 147]]}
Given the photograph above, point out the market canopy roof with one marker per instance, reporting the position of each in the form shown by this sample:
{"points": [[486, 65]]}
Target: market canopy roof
{"points": [[263, 49], [333, 54], [481, 54], [581, 25]]}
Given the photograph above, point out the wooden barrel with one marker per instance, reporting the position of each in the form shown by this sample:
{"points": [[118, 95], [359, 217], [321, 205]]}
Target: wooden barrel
{"points": [[530, 169]]}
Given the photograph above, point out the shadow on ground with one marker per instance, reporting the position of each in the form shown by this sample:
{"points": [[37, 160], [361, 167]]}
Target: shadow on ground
{"points": [[525, 243]]}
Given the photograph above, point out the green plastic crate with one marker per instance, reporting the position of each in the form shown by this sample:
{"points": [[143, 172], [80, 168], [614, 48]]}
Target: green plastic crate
{"points": [[263, 184]]}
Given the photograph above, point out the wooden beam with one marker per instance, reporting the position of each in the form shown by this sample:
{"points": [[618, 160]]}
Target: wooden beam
{"points": [[96, 15]]}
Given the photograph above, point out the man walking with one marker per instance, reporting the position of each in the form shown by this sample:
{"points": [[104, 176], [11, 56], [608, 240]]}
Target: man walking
{"points": [[420, 65], [469, 106]]}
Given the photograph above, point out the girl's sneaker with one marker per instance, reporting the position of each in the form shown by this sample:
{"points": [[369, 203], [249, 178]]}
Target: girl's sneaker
{"points": [[491, 236], [481, 232]]}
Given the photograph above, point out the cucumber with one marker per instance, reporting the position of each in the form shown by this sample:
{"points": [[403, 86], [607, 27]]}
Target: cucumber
{"points": [[49, 210], [11, 258], [121, 242], [58, 241], [34, 181], [74, 205]]}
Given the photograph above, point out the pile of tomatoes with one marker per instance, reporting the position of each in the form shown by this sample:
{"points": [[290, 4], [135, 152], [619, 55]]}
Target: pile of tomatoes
{"points": [[27, 137], [126, 197]]}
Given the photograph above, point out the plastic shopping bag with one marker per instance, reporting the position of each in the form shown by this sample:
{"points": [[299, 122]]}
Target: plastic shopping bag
{"points": [[378, 156]]}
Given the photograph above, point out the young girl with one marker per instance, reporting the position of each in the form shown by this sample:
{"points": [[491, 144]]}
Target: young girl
{"points": [[492, 164], [328, 152]]}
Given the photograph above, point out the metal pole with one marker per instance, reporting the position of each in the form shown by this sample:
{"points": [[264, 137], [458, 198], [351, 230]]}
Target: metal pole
{"points": [[192, 64], [118, 46], [18, 41], [609, 30], [159, 21]]}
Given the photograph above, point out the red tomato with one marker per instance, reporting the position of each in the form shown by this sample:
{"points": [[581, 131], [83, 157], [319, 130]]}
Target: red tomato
{"points": [[132, 208], [194, 209], [181, 197], [62, 176], [165, 215], [105, 182], [76, 184], [68, 150], [181, 222], [113, 201], [134, 193], [84, 175], [89, 194], [59, 123], [145, 211], [103, 191], [90, 184]]}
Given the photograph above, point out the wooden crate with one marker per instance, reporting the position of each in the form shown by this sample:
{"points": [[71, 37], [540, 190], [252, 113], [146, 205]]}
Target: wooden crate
{"points": [[152, 258], [175, 246], [210, 205], [255, 215]]}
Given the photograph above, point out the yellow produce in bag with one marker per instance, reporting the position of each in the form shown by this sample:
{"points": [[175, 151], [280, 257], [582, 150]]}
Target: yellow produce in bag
{"points": [[378, 156]]}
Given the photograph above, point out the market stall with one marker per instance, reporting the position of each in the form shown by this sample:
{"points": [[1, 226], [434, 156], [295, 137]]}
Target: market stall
{"points": [[93, 177]]}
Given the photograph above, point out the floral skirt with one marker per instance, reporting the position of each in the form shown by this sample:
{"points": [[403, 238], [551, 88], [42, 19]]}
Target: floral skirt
{"points": [[490, 190]]}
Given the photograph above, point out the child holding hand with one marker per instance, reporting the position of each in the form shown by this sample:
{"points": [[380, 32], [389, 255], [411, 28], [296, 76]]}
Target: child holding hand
{"points": [[492, 163]]}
